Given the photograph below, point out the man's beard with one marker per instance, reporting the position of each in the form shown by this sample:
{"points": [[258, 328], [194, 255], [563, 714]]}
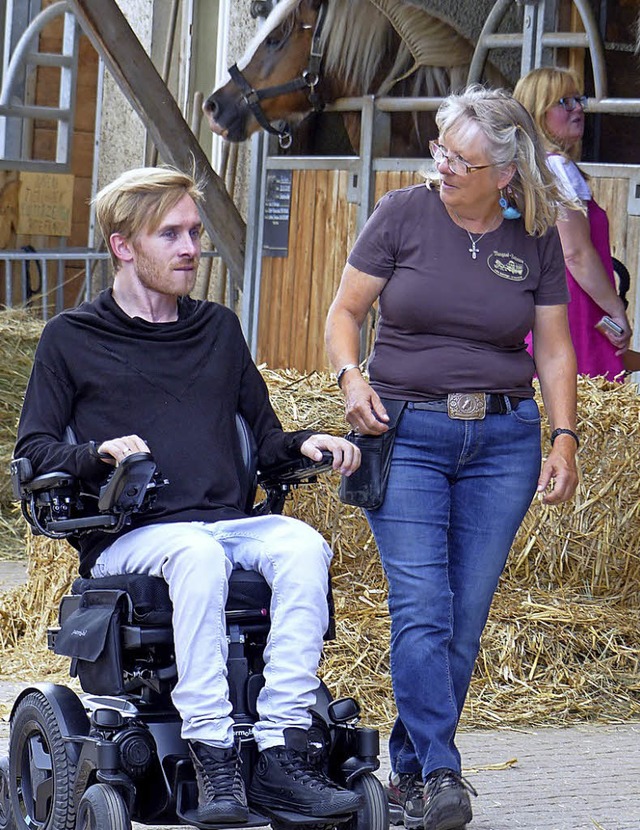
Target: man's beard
{"points": [[162, 278]]}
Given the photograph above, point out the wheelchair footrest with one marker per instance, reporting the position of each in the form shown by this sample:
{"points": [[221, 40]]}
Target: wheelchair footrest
{"points": [[297, 821], [187, 798], [255, 820]]}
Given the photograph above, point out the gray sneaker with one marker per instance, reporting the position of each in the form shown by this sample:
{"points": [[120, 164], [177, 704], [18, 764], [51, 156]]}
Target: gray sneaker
{"points": [[446, 801], [404, 794], [221, 795]]}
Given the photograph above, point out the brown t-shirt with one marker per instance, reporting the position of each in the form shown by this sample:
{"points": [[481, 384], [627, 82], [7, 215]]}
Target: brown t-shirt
{"points": [[449, 323]]}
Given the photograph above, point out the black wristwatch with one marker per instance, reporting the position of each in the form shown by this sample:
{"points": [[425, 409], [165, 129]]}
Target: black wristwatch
{"points": [[570, 432]]}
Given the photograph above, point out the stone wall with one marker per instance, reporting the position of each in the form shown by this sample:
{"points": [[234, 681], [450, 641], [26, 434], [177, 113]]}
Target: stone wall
{"points": [[122, 134]]}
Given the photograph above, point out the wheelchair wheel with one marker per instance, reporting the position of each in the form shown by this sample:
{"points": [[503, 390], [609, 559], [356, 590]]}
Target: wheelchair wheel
{"points": [[6, 816], [102, 808], [374, 813], [41, 770]]}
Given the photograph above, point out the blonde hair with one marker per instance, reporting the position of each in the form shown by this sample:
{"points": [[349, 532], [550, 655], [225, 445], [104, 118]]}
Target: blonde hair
{"points": [[541, 89], [513, 140], [138, 200]]}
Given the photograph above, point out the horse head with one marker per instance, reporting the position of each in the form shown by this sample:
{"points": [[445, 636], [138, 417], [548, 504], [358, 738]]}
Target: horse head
{"points": [[311, 52], [278, 81]]}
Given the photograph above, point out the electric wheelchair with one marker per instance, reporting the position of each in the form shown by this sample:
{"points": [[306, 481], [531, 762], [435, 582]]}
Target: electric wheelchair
{"points": [[115, 755]]}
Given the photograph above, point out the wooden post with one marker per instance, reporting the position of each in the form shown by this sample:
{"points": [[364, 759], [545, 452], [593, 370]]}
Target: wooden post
{"points": [[140, 82]]}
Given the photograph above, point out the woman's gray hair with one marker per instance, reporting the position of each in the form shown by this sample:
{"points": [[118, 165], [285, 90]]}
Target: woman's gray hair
{"points": [[512, 140]]}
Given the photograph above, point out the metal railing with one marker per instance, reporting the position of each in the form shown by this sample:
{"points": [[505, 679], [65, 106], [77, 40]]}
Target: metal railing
{"points": [[362, 169], [37, 279], [18, 110]]}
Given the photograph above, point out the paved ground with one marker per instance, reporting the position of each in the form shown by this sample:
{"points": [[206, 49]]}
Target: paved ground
{"points": [[12, 574], [581, 778]]}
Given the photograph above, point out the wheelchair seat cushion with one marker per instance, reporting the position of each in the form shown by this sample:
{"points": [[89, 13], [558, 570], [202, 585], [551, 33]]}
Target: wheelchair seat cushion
{"points": [[149, 595], [248, 591]]}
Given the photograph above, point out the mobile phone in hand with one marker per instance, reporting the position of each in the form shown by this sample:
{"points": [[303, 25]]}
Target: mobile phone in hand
{"points": [[608, 325]]}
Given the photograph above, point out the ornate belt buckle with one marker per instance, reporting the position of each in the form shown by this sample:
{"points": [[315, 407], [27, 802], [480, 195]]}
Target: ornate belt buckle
{"points": [[467, 406]]}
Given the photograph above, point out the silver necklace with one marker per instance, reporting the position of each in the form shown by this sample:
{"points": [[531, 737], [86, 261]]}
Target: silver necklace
{"points": [[473, 250]]}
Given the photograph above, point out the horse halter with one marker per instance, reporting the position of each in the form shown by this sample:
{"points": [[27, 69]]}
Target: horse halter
{"points": [[308, 79]]}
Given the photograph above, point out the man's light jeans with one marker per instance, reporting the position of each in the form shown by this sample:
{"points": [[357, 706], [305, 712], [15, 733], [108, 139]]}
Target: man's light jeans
{"points": [[196, 559]]}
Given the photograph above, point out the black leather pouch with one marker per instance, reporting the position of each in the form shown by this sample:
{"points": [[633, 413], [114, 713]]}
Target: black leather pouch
{"points": [[91, 637], [367, 486]]}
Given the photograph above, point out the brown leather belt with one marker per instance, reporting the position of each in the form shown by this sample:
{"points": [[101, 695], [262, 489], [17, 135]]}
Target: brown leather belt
{"points": [[469, 406]]}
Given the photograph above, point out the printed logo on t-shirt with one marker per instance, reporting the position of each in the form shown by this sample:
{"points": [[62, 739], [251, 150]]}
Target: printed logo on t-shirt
{"points": [[508, 266]]}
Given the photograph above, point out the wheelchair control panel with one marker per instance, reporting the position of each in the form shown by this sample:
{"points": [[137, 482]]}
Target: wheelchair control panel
{"points": [[55, 504]]}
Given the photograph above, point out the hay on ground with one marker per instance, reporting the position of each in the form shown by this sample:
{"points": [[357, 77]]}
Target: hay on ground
{"points": [[563, 641]]}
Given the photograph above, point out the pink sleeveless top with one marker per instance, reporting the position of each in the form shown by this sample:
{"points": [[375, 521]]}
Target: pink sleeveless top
{"points": [[594, 353]]}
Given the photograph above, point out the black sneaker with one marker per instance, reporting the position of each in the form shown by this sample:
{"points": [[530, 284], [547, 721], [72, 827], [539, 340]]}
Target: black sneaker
{"points": [[446, 801], [284, 779], [404, 794], [221, 795]]}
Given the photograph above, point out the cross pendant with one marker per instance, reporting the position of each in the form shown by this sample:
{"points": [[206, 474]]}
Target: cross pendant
{"points": [[473, 250]]}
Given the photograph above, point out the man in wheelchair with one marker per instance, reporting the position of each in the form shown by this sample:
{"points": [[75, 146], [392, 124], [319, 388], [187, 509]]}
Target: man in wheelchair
{"points": [[144, 368]]}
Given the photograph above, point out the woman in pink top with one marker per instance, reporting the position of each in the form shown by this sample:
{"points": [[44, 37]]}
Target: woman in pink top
{"points": [[552, 96]]}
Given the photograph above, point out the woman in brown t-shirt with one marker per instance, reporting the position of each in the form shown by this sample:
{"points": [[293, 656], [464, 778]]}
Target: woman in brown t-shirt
{"points": [[462, 271]]}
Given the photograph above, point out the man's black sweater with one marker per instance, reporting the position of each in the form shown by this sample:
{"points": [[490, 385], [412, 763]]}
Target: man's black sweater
{"points": [[176, 385]]}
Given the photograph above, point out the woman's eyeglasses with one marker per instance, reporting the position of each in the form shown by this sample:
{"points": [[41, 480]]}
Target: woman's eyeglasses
{"points": [[570, 102], [456, 164]]}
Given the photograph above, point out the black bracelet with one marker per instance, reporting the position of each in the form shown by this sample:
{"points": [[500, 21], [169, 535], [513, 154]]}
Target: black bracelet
{"points": [[570, 432]]}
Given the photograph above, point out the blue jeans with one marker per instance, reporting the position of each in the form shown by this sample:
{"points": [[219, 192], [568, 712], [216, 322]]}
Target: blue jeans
{"points": [[457, 493]]}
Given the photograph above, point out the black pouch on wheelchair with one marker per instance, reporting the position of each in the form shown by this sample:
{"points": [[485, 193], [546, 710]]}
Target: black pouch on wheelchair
{"points": [[367, 486], [149, 595], [90, 635]]}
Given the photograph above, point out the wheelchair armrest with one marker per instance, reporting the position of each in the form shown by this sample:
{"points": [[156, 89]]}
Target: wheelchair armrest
{"points": [[24, 484], [298, 471], [21, 473], [49, 481], [54, 505]]}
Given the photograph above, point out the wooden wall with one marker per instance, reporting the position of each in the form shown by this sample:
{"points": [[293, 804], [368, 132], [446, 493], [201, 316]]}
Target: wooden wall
{"points": [[296, 291], [44, 148], [47, 89]]}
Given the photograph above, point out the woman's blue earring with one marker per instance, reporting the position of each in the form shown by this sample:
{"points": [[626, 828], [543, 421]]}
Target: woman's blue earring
{"points": [[508, 211]]}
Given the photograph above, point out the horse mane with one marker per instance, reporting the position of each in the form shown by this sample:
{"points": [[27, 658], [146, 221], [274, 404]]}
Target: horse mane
{"points": [[356, 38], [359, 33], [430, 57]]}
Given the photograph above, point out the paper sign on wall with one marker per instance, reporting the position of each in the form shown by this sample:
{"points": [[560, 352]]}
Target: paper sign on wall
{"points": [[45, 204], [277, 210]]}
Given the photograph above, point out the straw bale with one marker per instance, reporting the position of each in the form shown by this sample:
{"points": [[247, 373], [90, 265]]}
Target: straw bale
{"points": [[19, 334], [27, 611], [563, 640], [591, 544]]}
